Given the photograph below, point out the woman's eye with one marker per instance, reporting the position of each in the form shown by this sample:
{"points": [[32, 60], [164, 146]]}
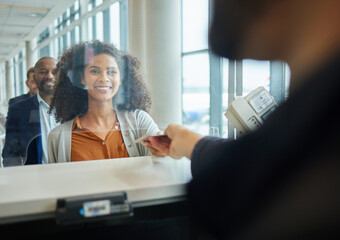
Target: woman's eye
{"points": [[111, 72], [94, 71]]}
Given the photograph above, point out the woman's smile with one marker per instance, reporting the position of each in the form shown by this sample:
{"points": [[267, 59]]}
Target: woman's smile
{"points": [[103, 89]]}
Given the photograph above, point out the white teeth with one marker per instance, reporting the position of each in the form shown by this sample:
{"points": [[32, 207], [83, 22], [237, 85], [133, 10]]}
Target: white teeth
{"points": [[103, 88]]}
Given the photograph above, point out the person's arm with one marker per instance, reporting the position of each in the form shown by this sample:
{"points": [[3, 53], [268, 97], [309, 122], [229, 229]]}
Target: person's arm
{"points": [[11, 152], [223, 176]]}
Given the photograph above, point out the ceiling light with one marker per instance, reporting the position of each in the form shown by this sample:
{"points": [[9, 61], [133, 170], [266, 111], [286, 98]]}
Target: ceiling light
{"points": [[35, 14]]}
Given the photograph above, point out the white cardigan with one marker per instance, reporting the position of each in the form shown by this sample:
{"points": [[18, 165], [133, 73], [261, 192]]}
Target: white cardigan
{"points": [[133, 125]]}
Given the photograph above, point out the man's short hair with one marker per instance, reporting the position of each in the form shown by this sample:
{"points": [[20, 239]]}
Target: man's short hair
{"points": [[30, 70]]}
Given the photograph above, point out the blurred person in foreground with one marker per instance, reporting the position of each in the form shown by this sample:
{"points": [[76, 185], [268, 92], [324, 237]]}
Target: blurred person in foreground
{"points": [[281, 181]]}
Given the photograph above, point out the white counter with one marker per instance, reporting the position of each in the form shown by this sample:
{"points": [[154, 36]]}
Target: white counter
{"points": [[33, 190]]}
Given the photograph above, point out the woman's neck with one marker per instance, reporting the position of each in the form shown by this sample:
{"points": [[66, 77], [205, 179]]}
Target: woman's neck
{"points": [[99, 116]]}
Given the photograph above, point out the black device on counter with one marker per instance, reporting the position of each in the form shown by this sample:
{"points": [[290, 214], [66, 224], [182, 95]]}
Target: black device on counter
{"points": [[93, 207]]}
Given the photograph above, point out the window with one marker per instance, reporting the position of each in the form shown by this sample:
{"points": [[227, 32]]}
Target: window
{"points": [[90, 28], [115, 24], [254, 74], [195, 65], [19, 74], [15, 76], [2, 84], [104, 25], [195, 25], [196, 105], [62, 40], [44, 51], [211, 83], [99, 27]]}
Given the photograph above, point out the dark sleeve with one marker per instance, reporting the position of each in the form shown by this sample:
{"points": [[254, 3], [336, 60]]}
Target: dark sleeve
{"points": [[11, 152], [10, 102], [221, 193], [18, 98], [204, 150], [15, 99]]}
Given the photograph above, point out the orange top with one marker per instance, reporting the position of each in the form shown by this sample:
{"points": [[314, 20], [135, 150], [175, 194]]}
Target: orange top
{"points": [[86, 145]]}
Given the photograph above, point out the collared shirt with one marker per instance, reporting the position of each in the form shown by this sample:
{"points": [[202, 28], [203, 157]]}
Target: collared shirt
{"points": [[86, 145], [47, 123]]}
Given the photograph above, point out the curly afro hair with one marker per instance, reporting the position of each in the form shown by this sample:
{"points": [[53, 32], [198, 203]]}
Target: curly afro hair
{"points": [[70, 98]]}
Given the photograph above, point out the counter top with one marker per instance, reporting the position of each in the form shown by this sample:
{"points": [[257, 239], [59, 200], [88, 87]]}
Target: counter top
{"points": [[34, 190]]}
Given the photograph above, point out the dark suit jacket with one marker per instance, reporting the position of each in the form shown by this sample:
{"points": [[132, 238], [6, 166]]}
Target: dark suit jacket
{"points": [[281, 181], [18, 98], [22, 128]]}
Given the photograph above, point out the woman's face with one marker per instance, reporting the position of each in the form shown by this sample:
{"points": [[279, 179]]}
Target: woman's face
{"points": [[102, 78]]}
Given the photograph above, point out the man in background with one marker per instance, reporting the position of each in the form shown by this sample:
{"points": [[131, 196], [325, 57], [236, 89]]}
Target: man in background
{"points": [[282, 180], [31, 85], [28, 121]]}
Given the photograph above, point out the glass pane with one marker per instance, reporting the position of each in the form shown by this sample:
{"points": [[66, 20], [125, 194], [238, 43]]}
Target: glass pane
{"points": [[21, 77], [90, 28], [255, 74], [287, 75], [195, 25], [45, 51], [77, 34], [67, 16], [76, 16], [225, 102], [66, 40], [2, 89], [196, 96], [76, 5], [56, 46], [15, 79], [60, 21], [60, 44], [98, 2], [99, 26], [115, 24], [89, 6], [56, 29]]}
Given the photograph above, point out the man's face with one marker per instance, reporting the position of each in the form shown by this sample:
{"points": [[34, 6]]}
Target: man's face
{"points": [[44, 75], [30, 83]]}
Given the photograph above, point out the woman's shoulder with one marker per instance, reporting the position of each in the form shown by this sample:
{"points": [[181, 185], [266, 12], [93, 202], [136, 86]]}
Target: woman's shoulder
{"points": [[62, 127], [136, 114]]}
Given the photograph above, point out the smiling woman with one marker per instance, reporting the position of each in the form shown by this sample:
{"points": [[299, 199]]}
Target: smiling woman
{"points": [[101, 79], [102, 102]]}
